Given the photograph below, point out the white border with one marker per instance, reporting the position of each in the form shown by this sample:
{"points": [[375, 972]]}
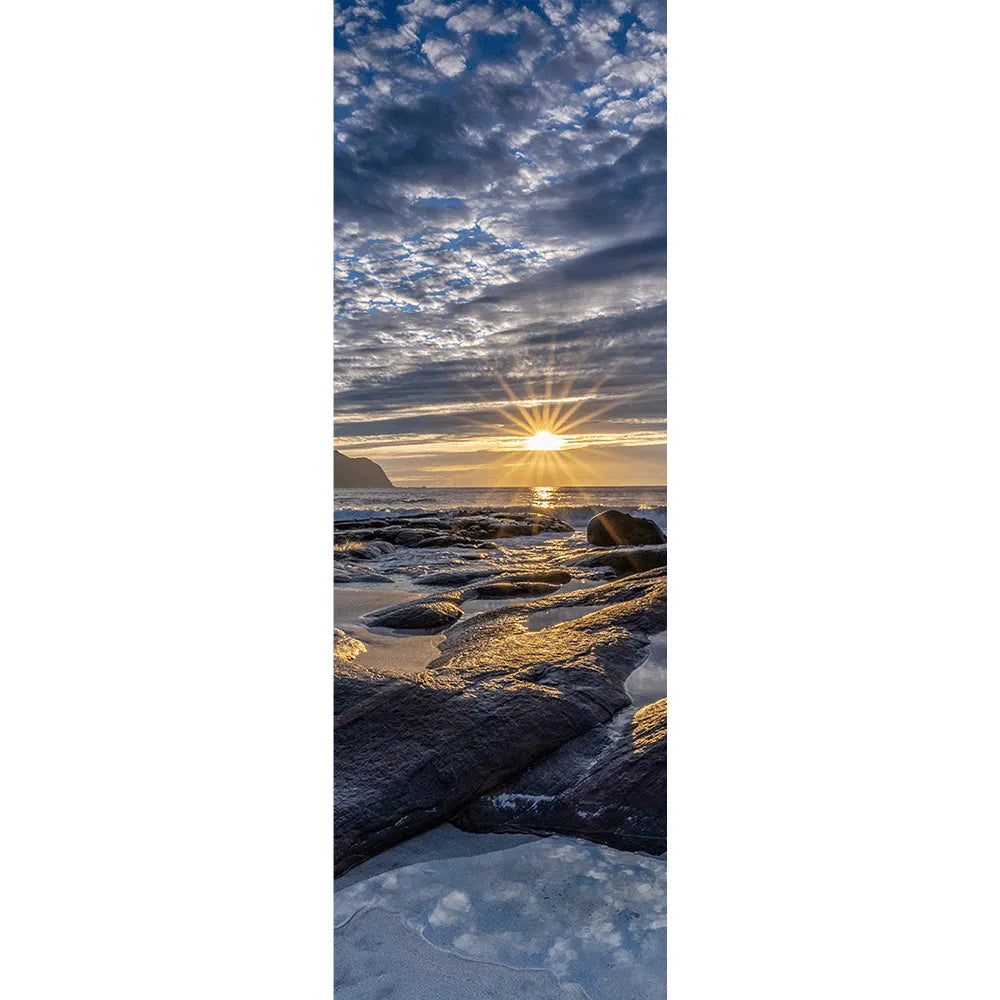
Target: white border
{"points": [[165, 720]]}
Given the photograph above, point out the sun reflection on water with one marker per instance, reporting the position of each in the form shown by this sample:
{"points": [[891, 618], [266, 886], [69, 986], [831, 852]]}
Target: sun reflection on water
{"points": [[541, 496]]}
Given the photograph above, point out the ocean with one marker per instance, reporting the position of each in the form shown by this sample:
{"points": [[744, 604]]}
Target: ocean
{"points": [[575, 504]]}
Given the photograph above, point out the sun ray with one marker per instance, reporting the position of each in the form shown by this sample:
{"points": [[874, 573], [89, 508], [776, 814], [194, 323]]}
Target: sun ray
{"points": [[613, 405], [598, 385]]}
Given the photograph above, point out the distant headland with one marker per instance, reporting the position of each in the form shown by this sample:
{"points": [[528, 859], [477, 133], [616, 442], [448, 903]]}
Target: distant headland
{"points": [[358, 473]]}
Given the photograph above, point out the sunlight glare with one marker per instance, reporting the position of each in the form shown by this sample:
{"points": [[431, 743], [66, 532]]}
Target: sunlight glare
{"points": [[544, 441]]}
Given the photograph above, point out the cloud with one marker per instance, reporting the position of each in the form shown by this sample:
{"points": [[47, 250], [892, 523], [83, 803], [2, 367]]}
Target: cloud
{"points": [[445, 57], [500, 194]]}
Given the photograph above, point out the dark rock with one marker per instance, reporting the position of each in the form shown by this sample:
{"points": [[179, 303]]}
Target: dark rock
{"points": [[625, 561], [453, 578], [346, 573], [410, 536], [354, 684], [615, 527], [358, 473], [459, 527], [362, 550], [440, 541], [430, 522], [497, 699], [514, 588], [459, 577], [430, 614], [609, 785]]}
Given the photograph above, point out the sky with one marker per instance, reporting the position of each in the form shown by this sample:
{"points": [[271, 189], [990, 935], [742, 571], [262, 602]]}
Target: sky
{"points": [[500, 241]]}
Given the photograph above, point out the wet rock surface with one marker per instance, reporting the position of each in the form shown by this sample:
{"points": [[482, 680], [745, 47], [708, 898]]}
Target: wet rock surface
{"points": [[440, 610], [358, 550], [451, 528], [615, 527], [514, 588], [626, 560], [609, 785], [427, 614], [458, 578], [413, 751], [349, 574]]}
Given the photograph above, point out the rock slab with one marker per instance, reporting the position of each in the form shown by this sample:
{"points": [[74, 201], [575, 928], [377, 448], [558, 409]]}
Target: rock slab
{"points": [[412, 751], [609, 785]]}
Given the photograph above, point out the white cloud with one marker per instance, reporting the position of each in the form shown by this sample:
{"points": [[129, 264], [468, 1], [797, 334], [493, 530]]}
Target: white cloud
{"points": [[558, 11], [445, 57], [478, 17]]}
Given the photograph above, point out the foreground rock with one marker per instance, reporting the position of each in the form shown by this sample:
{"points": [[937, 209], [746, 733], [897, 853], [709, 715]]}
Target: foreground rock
{"points": [[609, 785], [429, 614], [414, 751], [515, 588], [615, 527], [457, 578], [456, 528], [437, 611], [625, 561]]}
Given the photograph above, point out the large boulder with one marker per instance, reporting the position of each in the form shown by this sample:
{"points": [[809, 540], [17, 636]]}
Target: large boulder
{"points": [[499, 697], [615, 527]]}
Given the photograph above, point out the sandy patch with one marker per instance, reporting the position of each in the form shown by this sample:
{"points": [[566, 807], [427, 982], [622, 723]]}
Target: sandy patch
{"points": [[349, 604], [399, 653]]}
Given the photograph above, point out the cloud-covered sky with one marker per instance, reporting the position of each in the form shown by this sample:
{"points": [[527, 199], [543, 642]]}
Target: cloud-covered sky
{"points": [[500, 235]]}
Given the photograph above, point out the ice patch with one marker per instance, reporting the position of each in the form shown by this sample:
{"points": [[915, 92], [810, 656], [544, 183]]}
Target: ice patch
{"points": [[590, 915]]}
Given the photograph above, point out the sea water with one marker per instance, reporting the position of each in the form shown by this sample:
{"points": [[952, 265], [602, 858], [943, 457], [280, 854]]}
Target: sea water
{"points": [[575, 504]]}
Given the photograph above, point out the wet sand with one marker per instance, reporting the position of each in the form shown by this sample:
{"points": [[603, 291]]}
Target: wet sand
{"points": [[391, 650], [399, 653], [349, 604]]}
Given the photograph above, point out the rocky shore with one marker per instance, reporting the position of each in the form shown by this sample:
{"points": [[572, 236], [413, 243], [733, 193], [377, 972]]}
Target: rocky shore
{"points": [[493, 687], [510, 727]]}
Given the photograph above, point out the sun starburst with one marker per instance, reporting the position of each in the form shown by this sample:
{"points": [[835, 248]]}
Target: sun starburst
{"points": [[544, 441]]}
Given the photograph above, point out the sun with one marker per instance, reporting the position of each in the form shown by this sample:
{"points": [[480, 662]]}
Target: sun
{"points": [[544, 441]]}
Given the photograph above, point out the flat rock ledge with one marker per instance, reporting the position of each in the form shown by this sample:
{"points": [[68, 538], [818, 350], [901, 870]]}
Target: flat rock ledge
{"points": [[625, 560], [467, 527], [438, 611], [411, 752], [609, 785]]}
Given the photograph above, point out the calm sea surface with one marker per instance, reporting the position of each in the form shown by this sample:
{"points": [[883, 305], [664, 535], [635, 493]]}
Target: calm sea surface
{"points": [[576, 504]]}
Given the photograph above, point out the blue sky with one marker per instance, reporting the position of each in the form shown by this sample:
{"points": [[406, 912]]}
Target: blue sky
{"points": [[500, 235]]}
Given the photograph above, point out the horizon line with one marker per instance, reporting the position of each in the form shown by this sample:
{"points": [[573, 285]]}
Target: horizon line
{"points": [[567, 486]]}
